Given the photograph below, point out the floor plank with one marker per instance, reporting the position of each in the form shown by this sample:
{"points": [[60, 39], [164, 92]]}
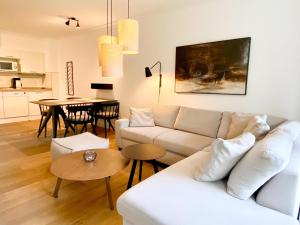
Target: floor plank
{"points": [[26, 184]]}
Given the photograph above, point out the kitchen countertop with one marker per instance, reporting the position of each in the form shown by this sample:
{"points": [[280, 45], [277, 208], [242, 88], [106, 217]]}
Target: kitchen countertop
{"points": [[32, 89]]}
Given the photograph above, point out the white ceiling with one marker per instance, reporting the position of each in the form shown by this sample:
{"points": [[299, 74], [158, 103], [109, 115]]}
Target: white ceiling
{"points": [[47, 17]]}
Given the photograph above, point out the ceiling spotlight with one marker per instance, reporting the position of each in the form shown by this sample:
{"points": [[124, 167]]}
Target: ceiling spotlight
{"points": [[78, 26], [72, 19]]}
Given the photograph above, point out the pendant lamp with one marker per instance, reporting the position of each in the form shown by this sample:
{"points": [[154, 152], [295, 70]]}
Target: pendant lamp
{"points": [[129, 34], [110, 53]]}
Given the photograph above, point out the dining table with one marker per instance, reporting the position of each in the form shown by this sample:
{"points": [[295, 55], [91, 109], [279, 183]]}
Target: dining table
{"points": [[56, 110]]}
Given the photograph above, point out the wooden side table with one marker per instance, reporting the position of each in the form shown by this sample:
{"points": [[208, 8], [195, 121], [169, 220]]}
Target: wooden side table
{"points": [[74, 167], [142, 152]]}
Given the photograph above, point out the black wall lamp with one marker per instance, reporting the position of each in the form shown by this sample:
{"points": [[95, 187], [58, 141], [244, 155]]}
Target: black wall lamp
{"points": [[72, 19], [148, 73]]}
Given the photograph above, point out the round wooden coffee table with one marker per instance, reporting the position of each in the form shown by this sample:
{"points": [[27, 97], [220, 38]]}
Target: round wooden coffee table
{"points": [[142, 152], [74, 167]]}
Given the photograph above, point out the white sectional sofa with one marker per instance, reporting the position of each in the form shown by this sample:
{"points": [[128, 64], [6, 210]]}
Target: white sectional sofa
{"points": [[194, 130], [174, 197]]}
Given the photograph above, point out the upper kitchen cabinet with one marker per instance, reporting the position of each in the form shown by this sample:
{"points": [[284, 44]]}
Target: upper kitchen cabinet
{"points": [[32, 62], [9, 53]]}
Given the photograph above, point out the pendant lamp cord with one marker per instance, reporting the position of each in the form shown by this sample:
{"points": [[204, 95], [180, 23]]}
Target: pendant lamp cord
{"points": [[107, 17], [111, 20], [128, 9]]}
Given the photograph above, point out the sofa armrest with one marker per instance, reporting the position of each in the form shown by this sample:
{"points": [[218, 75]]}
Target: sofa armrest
{"points": [[282, 192], [121, 123]]}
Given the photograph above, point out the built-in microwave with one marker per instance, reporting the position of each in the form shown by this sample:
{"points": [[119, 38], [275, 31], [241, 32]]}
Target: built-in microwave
{"points": [[9, 65]]}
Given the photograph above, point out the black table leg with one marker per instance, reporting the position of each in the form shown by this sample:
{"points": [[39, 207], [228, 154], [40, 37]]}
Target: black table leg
{"points": [[55, 115], [44, 124], [62, 113], [155, 167], [131, 174], [141, 170]]}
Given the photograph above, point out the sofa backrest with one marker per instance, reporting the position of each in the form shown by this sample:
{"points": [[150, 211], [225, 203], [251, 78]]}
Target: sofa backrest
{"points": [[165, 115], [199, 121], [273, 122]]}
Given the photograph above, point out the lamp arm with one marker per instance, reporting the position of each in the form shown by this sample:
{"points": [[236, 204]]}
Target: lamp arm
{"points": [[158, 62], [160, 77]]}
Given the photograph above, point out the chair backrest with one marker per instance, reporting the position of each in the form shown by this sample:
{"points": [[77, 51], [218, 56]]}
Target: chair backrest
{"points": [[80, 112], [44, 108], [109, 110]]}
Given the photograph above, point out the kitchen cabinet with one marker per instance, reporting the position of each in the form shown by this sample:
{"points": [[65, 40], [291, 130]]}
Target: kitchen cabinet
{"points": [[1, 106], [34, 109], [15, 104], [9, 53], [32, 62]]}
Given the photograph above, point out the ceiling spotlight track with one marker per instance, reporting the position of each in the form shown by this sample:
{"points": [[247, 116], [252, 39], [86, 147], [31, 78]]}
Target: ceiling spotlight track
{"points": [[72, 19]]}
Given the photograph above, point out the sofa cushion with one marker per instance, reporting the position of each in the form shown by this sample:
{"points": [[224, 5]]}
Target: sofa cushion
{"points": [[240, 121], [224, 154], [282, 192], [143, 134], [267, 158], [272, 121], [141, 117], [257, 126], [165, 115], [224, 125], [203, 122], [182, 142], [173, 197], [290, 127]]}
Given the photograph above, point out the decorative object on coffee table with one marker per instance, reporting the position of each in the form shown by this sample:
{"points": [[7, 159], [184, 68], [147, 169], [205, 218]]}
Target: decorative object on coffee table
{"points": [[74, 167], [142, 152], [213, 68], [89, 155]]}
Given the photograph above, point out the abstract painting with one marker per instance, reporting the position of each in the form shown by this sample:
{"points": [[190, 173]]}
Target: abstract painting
{"points": [[213, 68]]}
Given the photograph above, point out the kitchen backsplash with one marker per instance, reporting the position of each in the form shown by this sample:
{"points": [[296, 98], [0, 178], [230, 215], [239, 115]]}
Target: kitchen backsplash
{"points": [[28, 81]]}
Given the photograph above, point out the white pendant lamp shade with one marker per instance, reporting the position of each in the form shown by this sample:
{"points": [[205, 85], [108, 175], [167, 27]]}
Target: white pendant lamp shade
{"points": [[111, 60], [105, 39], [129, 36]]}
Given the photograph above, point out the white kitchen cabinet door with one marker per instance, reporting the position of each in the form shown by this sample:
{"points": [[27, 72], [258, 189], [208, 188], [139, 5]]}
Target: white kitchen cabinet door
{"points": [[8, 53], [1, 106], [15, 104], [32, 62], [34, 109]]}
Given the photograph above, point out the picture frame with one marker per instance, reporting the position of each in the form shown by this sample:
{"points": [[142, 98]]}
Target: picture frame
{"points": [[219, 67]]}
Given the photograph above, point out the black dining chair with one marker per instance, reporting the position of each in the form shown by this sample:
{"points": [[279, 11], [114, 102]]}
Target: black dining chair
{"points": [[107, 112], [44, 111], [80, 114]]}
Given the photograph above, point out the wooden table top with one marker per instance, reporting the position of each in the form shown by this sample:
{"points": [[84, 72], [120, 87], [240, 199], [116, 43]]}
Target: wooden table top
{"points": [[62, 102], [143, 152], [74, 167]]}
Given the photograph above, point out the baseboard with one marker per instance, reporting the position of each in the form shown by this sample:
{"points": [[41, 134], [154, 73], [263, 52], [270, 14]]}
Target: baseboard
{"points": [[19, 119]]}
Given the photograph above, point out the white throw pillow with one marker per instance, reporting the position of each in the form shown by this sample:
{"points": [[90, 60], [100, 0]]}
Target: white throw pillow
{"points": [[257, 126], [224, 155], [290, 127], [239, 122], [267, 158], [141, 117]]}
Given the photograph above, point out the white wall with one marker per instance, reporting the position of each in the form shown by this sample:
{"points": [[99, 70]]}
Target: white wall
{"points": [[274, 74]]}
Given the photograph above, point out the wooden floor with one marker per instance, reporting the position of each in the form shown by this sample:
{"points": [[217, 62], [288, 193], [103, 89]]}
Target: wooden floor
{"points": [[26, 185]]}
